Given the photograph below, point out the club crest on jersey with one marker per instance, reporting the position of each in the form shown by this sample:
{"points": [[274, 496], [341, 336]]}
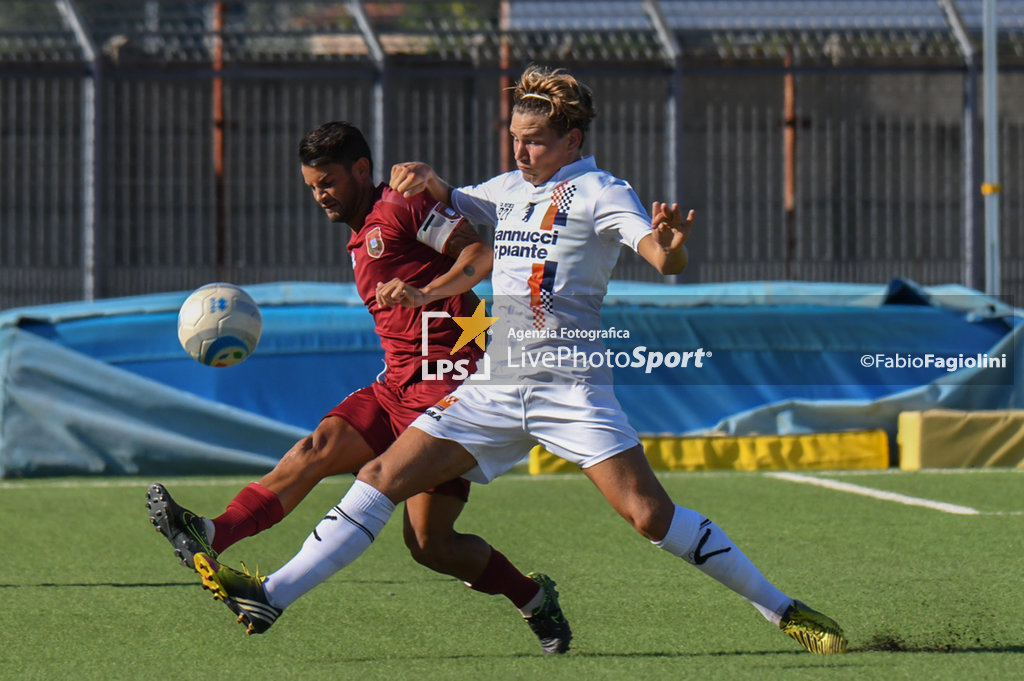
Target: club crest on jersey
{"points": [[375, 243]]}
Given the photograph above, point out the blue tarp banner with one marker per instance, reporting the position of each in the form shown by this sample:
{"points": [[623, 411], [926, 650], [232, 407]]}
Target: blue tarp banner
{"points": [[105, 388]]}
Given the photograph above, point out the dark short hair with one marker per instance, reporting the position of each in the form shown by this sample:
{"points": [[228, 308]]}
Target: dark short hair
{"points": [[334, 142]]}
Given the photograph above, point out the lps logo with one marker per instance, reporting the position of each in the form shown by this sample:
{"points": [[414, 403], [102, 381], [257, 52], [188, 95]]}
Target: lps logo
{"points": [[474, 330]]}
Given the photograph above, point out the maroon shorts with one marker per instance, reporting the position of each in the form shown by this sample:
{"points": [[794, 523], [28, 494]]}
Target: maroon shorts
{"points": [[380, 413]]}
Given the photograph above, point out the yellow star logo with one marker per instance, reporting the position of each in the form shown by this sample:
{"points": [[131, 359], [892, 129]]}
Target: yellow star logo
{"points": [[473, 328]]}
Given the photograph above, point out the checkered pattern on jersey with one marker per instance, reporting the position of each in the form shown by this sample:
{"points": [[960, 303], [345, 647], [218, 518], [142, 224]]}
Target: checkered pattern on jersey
{"points": [[558, 212], [542, 284]]}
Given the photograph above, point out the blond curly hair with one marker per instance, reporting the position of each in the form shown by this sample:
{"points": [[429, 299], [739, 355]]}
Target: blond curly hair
{"points": [[556, 95]]}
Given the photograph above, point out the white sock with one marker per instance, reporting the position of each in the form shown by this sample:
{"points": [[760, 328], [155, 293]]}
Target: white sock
{"points": [[703, 544], [346, 531], [535, 602], [210, 529]]}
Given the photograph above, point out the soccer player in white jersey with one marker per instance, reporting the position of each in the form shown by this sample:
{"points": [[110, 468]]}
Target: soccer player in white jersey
{"points": [[559, 224]]}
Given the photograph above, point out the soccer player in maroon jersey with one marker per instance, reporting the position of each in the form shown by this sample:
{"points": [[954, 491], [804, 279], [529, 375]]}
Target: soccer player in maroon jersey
{"points": [[409, 255]]}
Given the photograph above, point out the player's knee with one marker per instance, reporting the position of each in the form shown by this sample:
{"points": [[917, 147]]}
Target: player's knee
{"points": [[306, 455], [294, 458], [418, 547], [427, 549], [305, 461], [648, 522], [372, 473]]}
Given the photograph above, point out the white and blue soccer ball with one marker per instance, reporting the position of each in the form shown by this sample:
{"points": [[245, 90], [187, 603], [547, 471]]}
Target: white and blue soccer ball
{"points": [[219, 324]]}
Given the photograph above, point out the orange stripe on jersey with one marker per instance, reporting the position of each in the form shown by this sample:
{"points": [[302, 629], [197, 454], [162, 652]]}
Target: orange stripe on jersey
{"points": [[535, 280], [549, 217]]}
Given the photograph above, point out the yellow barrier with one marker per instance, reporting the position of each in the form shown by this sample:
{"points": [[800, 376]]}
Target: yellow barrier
{"points": [[816, 451], [944, 438]]}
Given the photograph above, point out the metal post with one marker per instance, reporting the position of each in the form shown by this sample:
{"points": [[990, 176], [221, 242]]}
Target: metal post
{"points": [[505, 159], [91, 129], [673, 106], [789, 159], [673, 109], [973, 233], [219, 178], [990, 188], [373, 46]]}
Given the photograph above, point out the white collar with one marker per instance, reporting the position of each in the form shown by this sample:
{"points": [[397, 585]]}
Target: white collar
{"points": [[566, 172]]}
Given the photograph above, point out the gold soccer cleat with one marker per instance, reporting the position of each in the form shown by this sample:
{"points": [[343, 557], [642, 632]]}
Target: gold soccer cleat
{"points": [[818, 633]]}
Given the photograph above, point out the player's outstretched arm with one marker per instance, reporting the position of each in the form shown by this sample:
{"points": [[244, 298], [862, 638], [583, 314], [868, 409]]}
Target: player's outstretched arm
{"points": [[411, 178], [665, 246]]}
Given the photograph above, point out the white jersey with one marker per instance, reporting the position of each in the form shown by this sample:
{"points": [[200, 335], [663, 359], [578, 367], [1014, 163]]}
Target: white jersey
{"points": [[555, 246], [554, 250]]}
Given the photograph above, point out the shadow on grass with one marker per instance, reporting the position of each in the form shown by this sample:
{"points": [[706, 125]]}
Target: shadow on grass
{"points": [[957, 643], [832, 660], [194, 582], [651, 655], [874, 648]]}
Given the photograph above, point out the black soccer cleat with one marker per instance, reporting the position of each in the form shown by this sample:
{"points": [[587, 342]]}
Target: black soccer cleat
{"points": [[241, 591], [547, 621], [183, 528]]}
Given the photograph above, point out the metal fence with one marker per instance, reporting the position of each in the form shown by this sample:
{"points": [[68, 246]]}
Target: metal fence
{"points": [[168, 159]]}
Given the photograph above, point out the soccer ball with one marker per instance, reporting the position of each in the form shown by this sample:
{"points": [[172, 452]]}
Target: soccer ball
{"points": [[219, 325]]}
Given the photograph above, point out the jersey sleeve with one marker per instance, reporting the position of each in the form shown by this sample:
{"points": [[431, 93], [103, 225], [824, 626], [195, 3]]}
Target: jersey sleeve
{"points": [[479, 203], [619, 215]]}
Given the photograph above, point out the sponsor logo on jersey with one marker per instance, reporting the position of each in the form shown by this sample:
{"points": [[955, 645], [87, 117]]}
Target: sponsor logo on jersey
{"points": [[534, 242], [375, 243]]}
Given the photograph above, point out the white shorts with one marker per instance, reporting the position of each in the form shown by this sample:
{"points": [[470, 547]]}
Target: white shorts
{"points": [[499, 424]]}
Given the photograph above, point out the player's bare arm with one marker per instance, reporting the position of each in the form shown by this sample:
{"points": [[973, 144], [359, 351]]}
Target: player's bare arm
{"points": [[473, 261], [665, 246], [411, 178]]}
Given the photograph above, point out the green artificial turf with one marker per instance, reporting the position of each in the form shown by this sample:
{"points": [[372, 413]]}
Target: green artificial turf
{"points": [[89, 590]]}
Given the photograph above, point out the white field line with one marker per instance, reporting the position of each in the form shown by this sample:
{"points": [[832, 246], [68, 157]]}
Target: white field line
{"points": [[232, 481], [884, 496], [929, 471]]}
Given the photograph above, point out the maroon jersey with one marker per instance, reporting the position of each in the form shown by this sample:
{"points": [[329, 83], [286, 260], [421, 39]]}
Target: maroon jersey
{"points": [[403, 239]]}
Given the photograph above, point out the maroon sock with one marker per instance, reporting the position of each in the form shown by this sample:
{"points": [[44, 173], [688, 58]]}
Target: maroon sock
{"points": [[501, 577], [253, 510]]}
